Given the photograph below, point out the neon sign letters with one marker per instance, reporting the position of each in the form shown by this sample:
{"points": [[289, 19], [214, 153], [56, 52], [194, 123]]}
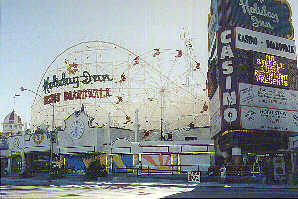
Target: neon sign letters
{"points": [[78, 94], [256, 11], [270, 72], [86, 78]]}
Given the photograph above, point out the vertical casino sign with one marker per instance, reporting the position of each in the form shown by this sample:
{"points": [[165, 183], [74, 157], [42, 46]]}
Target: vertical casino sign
{"points": [[227, 79]]}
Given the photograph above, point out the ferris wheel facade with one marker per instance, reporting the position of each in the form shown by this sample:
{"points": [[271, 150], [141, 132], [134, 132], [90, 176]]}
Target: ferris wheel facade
{"points": [[108, 79]]}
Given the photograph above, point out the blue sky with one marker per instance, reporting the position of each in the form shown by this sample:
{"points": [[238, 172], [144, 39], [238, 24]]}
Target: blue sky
{"points": [[33, 32]]}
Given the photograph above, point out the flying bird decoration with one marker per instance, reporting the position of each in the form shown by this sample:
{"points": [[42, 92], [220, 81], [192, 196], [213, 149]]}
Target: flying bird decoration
{"points": [[179, 53], [136, 60], [120, 99], [205, 108], [123, 78], [157, 52]]}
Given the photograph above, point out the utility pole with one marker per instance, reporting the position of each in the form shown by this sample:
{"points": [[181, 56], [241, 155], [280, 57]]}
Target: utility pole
{"points": [[53, 125], [162, 91], [137, 125]]}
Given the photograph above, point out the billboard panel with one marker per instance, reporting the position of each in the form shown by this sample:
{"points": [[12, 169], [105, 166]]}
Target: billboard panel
{"points": [[212, 77], [261, 96], [214, 103], [214, 112], [268, 119], [215, 123], [260, 42]]}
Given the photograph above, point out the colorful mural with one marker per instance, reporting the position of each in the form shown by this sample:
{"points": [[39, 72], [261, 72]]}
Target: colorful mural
{"points": [[156, 163], [122, 163], [80, 164], [75, 163]]}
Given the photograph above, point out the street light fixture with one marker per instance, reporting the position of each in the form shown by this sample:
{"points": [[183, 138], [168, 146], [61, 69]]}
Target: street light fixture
{"points": [[53, 124]]}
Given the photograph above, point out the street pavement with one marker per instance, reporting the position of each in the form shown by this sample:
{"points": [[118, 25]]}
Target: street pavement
{"points": [[134, 187], [237, 192]]}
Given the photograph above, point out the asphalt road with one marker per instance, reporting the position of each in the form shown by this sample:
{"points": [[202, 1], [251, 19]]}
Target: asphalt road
{"points": [[132, 187], [238, 192], [96, 190], [142, 190]]}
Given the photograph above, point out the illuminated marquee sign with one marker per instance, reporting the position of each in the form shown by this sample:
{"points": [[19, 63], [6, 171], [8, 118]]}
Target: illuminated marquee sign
{"points": [[78, 94], [266, 69], [271, 72], [253, 46], [76, 82], [86, 78], [270, 16]]}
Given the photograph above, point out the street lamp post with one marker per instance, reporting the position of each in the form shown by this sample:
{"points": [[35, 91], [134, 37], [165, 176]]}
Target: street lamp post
{"points": [[53, 124]]}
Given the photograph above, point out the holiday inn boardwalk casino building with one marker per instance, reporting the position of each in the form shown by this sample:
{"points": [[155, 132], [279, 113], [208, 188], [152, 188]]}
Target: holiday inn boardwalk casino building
{"points": [[252, 83], [78, 143]]}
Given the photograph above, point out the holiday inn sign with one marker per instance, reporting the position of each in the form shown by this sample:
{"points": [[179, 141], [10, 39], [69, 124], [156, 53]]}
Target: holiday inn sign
{"points": [[268, 16]]}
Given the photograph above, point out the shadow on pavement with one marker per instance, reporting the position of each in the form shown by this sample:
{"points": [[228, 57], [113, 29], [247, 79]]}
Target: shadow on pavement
{"points": [[237, 192]]}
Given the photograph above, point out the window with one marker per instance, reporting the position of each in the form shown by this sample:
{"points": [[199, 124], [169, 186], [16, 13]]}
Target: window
{"points": [[190, 138]]}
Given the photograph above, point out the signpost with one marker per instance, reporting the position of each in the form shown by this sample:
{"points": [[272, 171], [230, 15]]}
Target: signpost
{"points": [[194, 176]]}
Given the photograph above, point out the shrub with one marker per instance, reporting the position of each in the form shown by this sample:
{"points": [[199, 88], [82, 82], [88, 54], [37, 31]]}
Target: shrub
{"points": [[95, 170]]}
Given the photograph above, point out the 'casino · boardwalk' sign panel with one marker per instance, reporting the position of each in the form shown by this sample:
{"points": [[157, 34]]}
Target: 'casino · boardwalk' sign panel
{"points": [[265, 43]]}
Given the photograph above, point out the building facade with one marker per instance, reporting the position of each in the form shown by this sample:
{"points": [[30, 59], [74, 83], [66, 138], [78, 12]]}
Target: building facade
{"points": [[252, 82], [79, 143], [12, 124]]}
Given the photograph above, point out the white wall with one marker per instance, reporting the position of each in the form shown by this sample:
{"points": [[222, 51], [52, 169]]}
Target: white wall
{"points": [[200, 133], [16, 143], [194, 161], [85, 143], [36, 142], [121, 133]]}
